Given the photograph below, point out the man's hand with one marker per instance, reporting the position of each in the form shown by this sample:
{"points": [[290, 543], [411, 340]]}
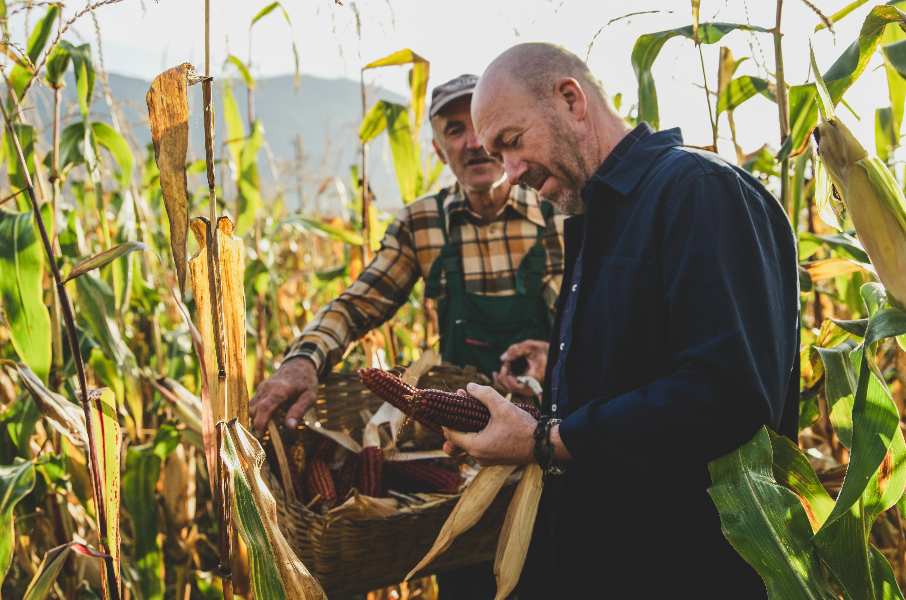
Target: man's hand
{"points": [[508, 438], [296, 380], [535, 354]]}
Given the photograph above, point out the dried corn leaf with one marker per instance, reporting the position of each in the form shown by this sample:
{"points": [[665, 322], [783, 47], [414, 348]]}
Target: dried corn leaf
{"points": [[819, 270], [232, 270], [105, 429], [276, 571], [360, 507], [63, 416], [186, 404], [473, 503], [168, 112], [513, 543], [178, 487]]}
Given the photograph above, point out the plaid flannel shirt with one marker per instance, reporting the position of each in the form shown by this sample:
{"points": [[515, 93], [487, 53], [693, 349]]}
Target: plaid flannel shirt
{"points": [[491, 253]]}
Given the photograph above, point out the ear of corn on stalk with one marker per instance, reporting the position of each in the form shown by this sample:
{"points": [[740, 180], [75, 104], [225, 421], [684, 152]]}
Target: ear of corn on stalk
{"points": [[873, 200]]}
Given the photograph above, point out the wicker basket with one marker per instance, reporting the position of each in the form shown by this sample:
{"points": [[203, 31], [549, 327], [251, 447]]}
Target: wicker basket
{"points": [[357, 555]]}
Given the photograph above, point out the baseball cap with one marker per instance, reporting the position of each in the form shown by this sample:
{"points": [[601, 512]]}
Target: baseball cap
{"points": [[445, 93]]}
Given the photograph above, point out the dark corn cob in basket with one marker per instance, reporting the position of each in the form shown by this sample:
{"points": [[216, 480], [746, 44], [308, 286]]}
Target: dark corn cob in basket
{"points": [[421, 476], [319, 483], [433, 408], [371, 467]]}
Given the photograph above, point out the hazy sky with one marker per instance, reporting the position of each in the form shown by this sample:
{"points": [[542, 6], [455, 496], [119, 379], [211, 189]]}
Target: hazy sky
{"points": [[143, 37]]}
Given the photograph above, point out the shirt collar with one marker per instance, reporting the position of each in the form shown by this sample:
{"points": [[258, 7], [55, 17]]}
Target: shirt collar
{"points": [[523, 200], [632, 157]]}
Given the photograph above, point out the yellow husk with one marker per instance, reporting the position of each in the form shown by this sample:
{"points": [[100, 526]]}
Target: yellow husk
{"points": [[873, 200], [473, 503], [516, 534]]}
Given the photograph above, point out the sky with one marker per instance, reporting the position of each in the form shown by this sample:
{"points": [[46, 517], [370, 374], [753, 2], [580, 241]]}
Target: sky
{"points": [[143, 37]]}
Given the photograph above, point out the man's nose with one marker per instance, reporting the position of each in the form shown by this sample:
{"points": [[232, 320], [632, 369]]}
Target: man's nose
{"points": [[514, 169], [472, 142]]}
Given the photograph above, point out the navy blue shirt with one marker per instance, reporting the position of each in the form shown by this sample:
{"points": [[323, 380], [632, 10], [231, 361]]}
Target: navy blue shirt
{"points": [[678, 323]]}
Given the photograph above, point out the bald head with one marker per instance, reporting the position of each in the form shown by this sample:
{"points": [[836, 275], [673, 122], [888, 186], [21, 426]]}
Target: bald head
{"points": [[537, 67]]}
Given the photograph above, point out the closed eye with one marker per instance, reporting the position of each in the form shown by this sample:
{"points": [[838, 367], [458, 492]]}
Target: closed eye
{"points": [[513, 142]]}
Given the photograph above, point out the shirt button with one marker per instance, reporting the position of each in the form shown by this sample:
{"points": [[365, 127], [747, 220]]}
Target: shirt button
{"points": [[562, 345], [575, 287], [554, 407]]}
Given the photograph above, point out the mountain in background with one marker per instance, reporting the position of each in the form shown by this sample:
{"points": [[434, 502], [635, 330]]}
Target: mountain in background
{"points": [[313, 126]]}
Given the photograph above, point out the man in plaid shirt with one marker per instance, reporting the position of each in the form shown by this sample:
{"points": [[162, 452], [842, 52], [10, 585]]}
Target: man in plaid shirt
{"points": [[491, 253]]}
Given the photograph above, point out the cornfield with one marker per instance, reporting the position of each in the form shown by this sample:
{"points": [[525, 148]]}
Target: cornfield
{"points": [[145, 293]]}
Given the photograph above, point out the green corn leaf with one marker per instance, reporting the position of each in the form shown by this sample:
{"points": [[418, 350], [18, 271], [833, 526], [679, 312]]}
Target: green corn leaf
{"points": [[143, 464], [21, 291], [52, 564], [741, 89], [295, 49], [766, 523], [232, 120], [96, 309], [19, 76], [65, 417], [325, 229], [874, 415], [103, 258], [646, 50], [840, 387], [418, 79], [55, 69], [841, 13], [249, 182], [394, 119], [26, 135], [111, 140], [848, 67], [825, 104], [83, 72], [896, 84], [792, 469], [234, 60], [886, 137], [16, 481], [276, 571]]}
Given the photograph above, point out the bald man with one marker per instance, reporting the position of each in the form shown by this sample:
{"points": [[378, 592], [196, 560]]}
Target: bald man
{"points": [[676, 338]]}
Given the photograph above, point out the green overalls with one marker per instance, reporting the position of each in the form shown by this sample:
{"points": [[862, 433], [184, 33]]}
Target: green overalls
{"points": [[476, 329]]}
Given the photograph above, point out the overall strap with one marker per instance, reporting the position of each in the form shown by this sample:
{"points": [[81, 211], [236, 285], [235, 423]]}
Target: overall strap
{"points": [[530, 274], [433, 287]]}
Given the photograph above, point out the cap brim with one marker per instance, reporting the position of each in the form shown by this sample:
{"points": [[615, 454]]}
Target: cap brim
{"points": [[439, 106]]}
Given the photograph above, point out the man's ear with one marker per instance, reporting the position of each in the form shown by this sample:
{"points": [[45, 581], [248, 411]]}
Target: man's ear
{"points": [[439, 150], [572, 93]]}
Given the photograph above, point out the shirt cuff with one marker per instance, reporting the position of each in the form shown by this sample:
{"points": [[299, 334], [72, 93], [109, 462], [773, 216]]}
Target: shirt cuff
{"points": [[309, 350]]}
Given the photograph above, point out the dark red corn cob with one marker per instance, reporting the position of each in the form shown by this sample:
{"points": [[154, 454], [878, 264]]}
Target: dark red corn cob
{"points": [[346, 475], [388, 387], [433, 408], [324, 449], [422, 476], [371, 468], [318, 482]]}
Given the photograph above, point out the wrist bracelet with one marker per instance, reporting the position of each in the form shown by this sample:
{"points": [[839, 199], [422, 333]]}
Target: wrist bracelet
{"points": [[543, 449]]}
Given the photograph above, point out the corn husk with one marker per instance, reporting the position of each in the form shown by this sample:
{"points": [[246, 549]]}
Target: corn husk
{"points": [[516, 533], [473, 503], [873, 201]]}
